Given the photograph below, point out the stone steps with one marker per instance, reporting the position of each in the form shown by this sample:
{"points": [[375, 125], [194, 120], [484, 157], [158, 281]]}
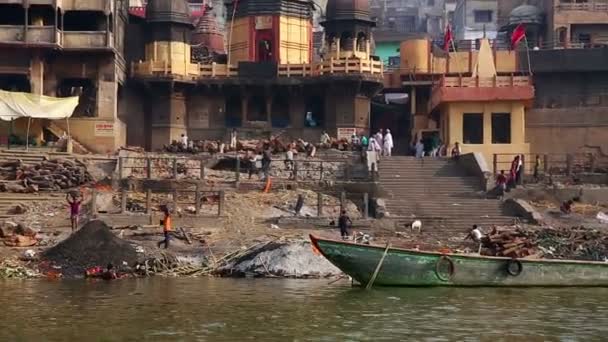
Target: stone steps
{"points": [[438, 192]]}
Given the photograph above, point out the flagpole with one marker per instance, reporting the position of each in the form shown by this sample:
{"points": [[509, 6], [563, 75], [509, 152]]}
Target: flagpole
{"points": [[528, 54], [235, 4]]}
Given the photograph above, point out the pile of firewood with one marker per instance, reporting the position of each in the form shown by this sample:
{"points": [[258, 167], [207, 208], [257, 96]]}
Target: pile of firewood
{"points": [[576, 243], [509, 243], [48, 175], [277, 144]]}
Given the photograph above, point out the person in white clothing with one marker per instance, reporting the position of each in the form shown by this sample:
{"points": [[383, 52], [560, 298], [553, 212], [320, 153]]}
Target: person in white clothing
{"points": [[379, 139], [184, 140], [388, 143], [233, 139], [419, 149]]}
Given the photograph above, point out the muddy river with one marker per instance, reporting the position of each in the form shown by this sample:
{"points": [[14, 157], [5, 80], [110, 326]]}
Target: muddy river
{"points": [[186, 309]]}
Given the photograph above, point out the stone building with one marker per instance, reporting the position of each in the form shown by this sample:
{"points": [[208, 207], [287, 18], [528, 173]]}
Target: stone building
{"points": [[269, 81], [146, 75], [475, 19], [67, 48]]}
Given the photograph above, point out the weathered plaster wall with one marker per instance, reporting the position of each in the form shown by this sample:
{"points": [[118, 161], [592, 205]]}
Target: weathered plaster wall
{"points": [[567, 130]]}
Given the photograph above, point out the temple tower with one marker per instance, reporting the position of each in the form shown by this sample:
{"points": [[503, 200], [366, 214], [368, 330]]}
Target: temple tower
{"points": [[348, 29], [277, 31], [168, 49]]}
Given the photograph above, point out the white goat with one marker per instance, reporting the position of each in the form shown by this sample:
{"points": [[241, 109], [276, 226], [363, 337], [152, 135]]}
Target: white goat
{"points": [[417, 225]]}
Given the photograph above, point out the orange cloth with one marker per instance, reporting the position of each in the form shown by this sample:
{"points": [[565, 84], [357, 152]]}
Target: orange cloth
{"points": [[167, 224]]}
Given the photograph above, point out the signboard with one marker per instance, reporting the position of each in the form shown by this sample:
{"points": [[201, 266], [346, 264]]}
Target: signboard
{"points": [[263, 22], [104, 129], [346, 133]]}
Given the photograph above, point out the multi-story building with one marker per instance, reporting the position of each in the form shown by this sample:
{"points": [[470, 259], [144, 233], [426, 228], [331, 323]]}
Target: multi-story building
{"points": [[257, 73], [64, 48], [475, 19], [269, 80], [398, 20]]}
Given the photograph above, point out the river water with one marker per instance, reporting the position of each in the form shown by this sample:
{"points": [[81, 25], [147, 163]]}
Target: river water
{"points": [[188, 309]]}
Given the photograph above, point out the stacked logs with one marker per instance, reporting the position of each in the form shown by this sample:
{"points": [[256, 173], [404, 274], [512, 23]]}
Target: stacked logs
{"points": [[510, 243], [48, 175], [576, 243], [276, 144]]}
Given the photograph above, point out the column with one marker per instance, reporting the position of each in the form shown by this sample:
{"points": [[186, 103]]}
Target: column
{"points": [[244, 105], [269, 110], [27, 19]]}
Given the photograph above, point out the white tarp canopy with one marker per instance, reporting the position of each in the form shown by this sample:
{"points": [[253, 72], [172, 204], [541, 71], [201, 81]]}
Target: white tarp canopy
{"points": [[396, 98], [15, 105]]}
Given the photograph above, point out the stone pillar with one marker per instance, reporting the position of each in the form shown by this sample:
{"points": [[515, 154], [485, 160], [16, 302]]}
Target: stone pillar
{"points": [[107, 91], [168, 118], [244, 106], [269, 110], [37, 74]]}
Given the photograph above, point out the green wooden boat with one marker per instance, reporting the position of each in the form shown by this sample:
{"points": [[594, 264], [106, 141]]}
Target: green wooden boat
{"points": [[404, 267]]}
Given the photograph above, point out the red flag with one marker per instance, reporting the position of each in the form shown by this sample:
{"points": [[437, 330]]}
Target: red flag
{"points": [[448, 37], [518, 34]]}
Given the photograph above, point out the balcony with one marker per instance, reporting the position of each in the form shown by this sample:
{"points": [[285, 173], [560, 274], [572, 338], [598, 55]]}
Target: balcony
{"points": [[87, 40], [594, 6], [42, 35], [148, 69], [12, 33], [480, 89], [86, 5]]}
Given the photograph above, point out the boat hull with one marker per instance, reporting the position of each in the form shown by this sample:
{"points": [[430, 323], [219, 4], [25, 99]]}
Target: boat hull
{"points": [[402, 267]]}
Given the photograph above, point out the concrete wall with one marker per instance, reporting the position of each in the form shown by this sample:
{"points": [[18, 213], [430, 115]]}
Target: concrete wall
{"points": [[464, 18], [452, 117], [567, 130]]}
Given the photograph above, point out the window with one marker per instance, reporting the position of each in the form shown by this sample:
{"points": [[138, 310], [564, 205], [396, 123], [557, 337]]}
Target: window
{"points": [[472, 128], [501, 128], [451, 17], [430, 3], [483, 16]]}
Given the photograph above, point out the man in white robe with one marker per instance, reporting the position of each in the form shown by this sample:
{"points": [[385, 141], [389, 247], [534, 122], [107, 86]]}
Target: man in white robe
{"points": [[388, 144]]}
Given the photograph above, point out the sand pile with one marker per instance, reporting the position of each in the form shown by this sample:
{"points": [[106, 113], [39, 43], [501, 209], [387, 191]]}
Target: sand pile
{"points": [[93, 245]]}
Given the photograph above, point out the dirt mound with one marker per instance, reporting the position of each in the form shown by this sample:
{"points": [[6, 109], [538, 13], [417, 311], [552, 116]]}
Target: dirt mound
{"points": [[93, 245]]}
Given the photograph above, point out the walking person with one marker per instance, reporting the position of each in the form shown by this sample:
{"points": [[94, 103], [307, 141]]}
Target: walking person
{"points": [[74, 201], [266, 160], [520, 170], [501, 184], [380, 140], [388, 143], [435, 144], [419, 149], [166, 224], [456, 151], [537, 167], [233, 139], [344, 222]]}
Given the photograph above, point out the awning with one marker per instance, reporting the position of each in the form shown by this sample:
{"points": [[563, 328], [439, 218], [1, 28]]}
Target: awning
{"points": [[15, 105], [396, 98]]}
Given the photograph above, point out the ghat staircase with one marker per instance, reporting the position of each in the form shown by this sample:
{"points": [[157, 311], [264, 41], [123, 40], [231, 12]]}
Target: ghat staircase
{"points": [[440, 193]]}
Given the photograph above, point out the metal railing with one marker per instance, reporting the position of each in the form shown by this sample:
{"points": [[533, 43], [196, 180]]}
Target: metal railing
{"points": [[553, 164]]}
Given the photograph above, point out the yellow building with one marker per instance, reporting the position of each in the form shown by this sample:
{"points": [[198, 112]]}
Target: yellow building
{"points": [[475, 99]]}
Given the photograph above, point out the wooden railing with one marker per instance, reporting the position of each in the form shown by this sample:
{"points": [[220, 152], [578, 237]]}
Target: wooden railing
{"points": [[583, 6], [195, 71], [497, 81]]}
